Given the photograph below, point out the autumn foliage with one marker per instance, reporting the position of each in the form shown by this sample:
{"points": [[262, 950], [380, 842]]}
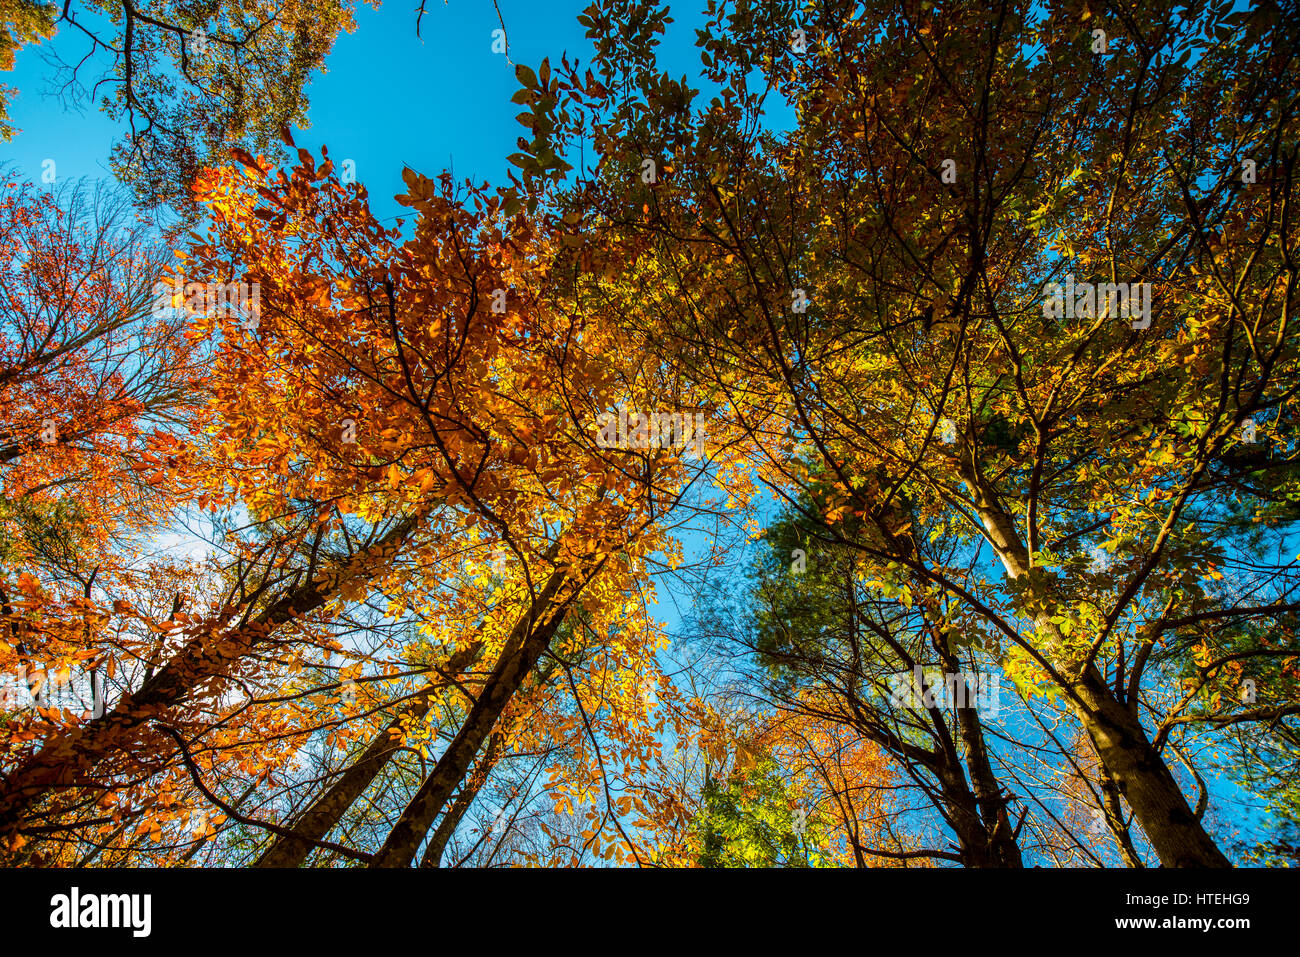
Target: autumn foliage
{"points": [[346, 571]]}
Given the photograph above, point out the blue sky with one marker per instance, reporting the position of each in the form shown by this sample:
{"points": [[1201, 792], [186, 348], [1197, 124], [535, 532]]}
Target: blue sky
{"points": [[388, 100]]}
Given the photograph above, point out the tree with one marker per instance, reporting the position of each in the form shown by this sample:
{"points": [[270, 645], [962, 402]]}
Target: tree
{"points": [[21, 22], [747, 821], [451, 464], [831, 648], [89, 366], [872, 293], [92, 378], [186, 82]]}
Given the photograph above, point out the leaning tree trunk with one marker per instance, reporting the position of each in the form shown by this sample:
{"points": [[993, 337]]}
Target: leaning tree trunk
{"points": [[1143, 778], [451, 820], [531, 637], [69, 760], [291, 850], [1120, 741]]}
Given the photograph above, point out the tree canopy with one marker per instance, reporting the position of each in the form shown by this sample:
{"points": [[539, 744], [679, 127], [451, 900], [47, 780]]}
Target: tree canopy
{"points": [[936, 359]]}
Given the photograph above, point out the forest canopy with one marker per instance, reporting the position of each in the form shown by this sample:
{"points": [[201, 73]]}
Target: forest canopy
{"points": [[876, 450]]}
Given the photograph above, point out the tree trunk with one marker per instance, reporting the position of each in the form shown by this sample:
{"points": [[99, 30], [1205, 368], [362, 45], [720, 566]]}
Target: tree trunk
{"points": [[981, 841], [523, 649], [1144, 779], [1113, 809], [996, 825], [451, 820], [978, 808], [962, 810], [319, 819], [1122, 745], [68, 759]]}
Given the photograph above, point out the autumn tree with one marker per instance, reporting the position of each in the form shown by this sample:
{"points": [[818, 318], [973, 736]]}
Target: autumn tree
{"points": [[186, 82], [869, 297], [93, 373], [411, 394], [829, 648], [21, 22]]}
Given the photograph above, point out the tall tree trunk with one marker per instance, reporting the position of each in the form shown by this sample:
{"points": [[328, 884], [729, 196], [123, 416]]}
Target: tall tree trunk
{"points": [[1143, 778], [1121, 743], [324, 813], [451, 820], [980, 840], [66, 760], [1003, 849], [524, 647], [977, 809], [1113, 808], [963, 813]]}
